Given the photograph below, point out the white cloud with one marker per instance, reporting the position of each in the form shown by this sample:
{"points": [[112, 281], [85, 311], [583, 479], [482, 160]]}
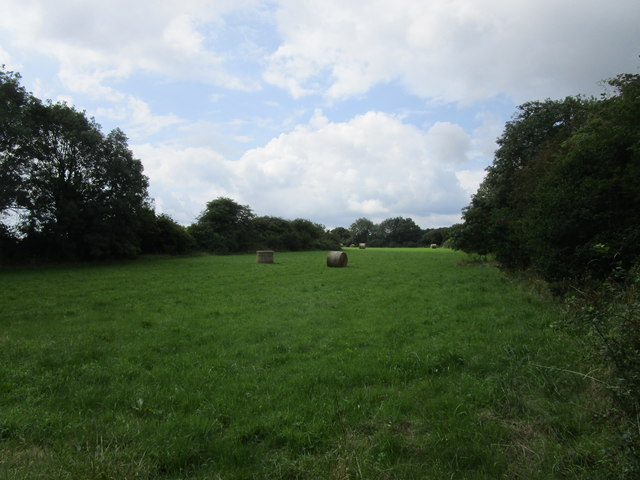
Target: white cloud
{"points": [[460, 51], [485, 135], [448, 143], [331, 172], [143, 122], [5, 58], [97, 46], [136, 118], [470, 180], [94, 42], [183, 180], [180, 35]]}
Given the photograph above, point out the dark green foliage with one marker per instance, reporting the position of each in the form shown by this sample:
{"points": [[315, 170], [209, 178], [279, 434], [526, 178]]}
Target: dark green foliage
{"points": [[227, 227], [497, 219], [561, 196], [593, 187], [330, 240], [8, 242], [294, 235], [73, 192], [437, 236], [397, 232], [306, 233], [224, 227], [161, 234], [453, 233], [610, 312], [343, 234], [312, 236], [274, 233], [361, 230]]}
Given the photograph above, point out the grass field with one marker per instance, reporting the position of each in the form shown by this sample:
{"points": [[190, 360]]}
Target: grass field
{"points": [[407, 364]]}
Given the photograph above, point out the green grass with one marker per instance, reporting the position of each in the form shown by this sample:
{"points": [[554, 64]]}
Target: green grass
{"points": [[406, 364]]}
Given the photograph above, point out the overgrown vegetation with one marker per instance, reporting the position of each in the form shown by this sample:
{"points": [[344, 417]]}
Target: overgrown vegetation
{"points": [[403, 365], [610, 315], [562, 202], [226, 227]]}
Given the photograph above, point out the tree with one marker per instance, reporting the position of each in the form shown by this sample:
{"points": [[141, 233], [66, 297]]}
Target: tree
{"points": [[75, 192], [342, 234], [454, 235], [274, 233], [313, 236], [561, 196], [299, 234], [587, 205], [562, 200], [224, 227], [436, 236], [161, 234], [361, 230], [398, 232], [84, 191], [495, 221]]}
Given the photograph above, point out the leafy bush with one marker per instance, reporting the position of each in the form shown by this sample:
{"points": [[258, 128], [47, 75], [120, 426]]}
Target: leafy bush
{"points": [[161, 234], [224, 227], [610, 313]]}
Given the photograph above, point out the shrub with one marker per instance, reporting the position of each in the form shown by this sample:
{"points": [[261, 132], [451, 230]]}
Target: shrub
{"points": [[610, 313]]}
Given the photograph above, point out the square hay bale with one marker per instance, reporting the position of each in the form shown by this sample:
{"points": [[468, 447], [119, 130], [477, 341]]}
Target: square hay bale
{"points": [[264, 256]]}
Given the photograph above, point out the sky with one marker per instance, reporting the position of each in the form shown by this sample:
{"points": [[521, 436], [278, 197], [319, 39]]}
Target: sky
{"points": [[326, 110]]}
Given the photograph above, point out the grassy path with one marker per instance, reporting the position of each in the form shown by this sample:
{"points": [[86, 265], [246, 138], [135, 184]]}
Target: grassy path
{"points": [[404, 365]]}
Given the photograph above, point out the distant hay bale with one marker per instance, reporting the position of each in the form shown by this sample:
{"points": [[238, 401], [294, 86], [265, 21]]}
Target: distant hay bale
{"points": [[337, 259], [264, 256], [362, 246]]}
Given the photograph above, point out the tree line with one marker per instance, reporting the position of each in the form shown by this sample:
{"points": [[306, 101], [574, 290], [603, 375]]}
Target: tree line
{"points": [[228, 227], [562, 197], [394, 232]]}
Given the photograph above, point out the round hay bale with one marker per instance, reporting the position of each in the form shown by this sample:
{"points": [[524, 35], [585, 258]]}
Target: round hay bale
{"points": [[362, 246], [337, 259], [264, 256]]}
